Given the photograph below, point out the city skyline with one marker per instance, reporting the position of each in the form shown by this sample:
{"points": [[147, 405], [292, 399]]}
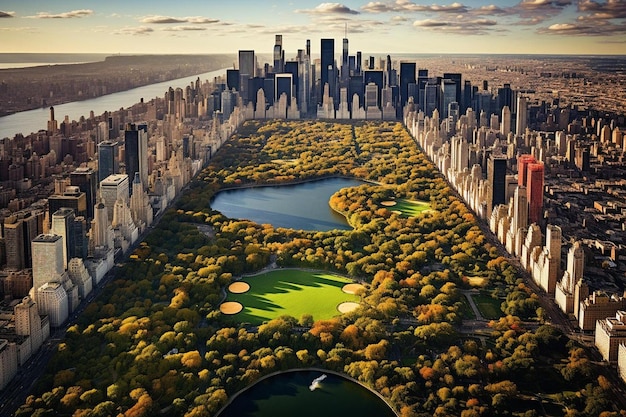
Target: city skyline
{"points": [[400, 26]]}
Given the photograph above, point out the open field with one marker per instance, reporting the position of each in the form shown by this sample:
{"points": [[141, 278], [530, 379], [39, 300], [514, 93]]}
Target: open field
{"points": [[405, 207], [291, 292]]}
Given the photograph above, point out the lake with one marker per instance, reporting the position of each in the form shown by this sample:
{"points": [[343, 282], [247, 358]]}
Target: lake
{"points": [[295, 206], [290, 394]]}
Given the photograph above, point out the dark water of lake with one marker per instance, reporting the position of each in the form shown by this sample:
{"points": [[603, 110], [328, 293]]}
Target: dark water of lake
{"points": [[297, 206], [290, 394]]}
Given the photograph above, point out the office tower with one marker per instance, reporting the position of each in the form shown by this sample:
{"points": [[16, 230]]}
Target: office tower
{"points": [[283, 84], [388, 77], [458, 80], [505, 125], [448, 95], [62, 225], [345, 67], [247, 70], [108, 162], [112, 188], [371, 96], [520, 208], [279, 55], [522, 116], [100, 226], [52, 123], [496, 179], [407, 77], [431, 97], [14, 241], [359, 58], [85, 179], [71, 198], [293, 68], [28, 322], [553, 243], [422, 80], [522, 168], [80, 245], [505, 97], [227, 101], [327, 70], [467, 96], [232, 79], [576, 261], [534, 188], [136, 151], [303, 83], [48, 259]]}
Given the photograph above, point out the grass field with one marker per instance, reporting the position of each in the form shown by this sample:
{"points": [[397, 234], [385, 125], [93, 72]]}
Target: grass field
{"points": [[409, 208], [489, 307], [291, 292]]}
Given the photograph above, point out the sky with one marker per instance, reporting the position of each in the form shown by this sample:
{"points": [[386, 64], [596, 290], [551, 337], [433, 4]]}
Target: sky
{"points": [[387, 26]]}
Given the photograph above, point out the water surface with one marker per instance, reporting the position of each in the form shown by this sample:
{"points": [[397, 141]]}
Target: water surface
{"points": [[297, 206], [290, 394]]}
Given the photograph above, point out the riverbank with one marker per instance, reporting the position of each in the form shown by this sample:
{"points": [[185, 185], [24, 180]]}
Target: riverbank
{"points": [[44, 86]]}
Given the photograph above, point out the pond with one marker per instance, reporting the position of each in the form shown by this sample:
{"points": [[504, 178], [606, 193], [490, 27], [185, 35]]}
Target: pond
{"points": [[307, 393], [295, 206]]}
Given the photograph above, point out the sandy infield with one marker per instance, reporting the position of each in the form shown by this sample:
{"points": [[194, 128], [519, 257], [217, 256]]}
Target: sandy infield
{"points": [[347, 307], [239, 287], [388, 203], [352, 288], [231, 307]]}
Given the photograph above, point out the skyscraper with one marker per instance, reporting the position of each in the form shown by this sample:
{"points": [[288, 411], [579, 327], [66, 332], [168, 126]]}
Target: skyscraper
{"points": [[47, 259], [247, 70], [113, 188], [407, 77], [85, 180], [458, 79], [522, 168], [522, 116], [327, 70], [534, 188], [136, 151], [62, 225], [496, 178], [108, 162], [14, 241], [279, 55], [505, 125], [448, 95]]}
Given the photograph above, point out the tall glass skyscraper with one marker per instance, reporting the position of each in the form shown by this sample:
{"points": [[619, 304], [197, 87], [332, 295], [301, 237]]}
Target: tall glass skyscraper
{"points": [[327, 72]]}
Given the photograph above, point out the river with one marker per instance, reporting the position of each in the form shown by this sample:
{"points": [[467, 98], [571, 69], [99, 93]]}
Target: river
{"points": [[30, 121]]}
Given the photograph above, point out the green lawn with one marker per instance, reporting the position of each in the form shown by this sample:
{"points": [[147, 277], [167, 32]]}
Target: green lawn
{"points": [[409, 208], [291, 292], [489, 307]]}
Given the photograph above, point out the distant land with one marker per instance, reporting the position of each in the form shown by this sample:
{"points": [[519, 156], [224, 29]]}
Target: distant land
{"points": [[47, 85]]}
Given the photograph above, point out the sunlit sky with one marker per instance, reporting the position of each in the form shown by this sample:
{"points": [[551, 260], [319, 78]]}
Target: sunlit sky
{"points": [[395, 26]]}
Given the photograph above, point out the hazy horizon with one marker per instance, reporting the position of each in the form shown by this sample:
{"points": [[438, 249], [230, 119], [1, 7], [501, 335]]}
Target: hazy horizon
{"points": [[546, 27]]}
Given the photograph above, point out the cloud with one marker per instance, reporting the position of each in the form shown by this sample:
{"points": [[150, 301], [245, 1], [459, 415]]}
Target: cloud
{"points": [[581, 29], [6, 14], [198, 20], [65, 15], [459, 26], [137, 31], [184, 28], [407, 6], [611, 9], [328, 8], [490, 10]]}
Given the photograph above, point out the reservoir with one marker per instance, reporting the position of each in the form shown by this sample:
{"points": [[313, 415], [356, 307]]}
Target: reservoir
{"points": [[295, 206], [298, 394], [30, 121]]}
